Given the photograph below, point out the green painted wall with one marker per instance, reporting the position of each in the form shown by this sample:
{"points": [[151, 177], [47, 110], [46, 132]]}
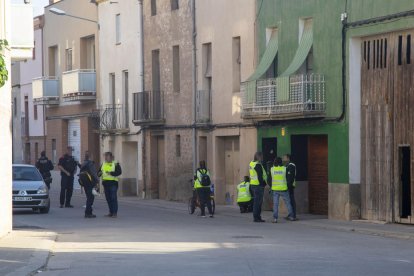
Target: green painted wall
{"points": [[327, 27]]}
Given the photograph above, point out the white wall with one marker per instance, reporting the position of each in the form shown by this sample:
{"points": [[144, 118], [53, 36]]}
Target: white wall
{"points": [[355, 111]]}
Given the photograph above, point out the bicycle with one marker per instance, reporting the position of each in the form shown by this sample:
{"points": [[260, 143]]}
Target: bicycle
{"points": [[194, 201]]}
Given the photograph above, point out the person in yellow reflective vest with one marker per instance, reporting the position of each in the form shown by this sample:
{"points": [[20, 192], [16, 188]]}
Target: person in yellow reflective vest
{"points": [[202, 185], [258, 178], [291, 180], [244, 197], [110, 171], [280, 189]]}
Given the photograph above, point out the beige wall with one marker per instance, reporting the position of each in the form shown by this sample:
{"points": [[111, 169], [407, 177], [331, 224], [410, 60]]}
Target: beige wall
{"points": [[116, 58], [163, 31], [229, 149], [66, 32]]}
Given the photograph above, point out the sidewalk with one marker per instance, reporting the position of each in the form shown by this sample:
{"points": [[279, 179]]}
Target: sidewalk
{"points": [[25, 251], [391, 230]]}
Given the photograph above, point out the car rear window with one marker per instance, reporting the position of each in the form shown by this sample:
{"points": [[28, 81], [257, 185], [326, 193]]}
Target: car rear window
{"points": [[26, 174]]}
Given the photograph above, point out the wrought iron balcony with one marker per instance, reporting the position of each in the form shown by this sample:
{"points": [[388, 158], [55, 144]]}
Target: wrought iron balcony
{"points": [[299, 96], [113, 119], [45, 91], [79, 85], [203, 107], [149, 108]]}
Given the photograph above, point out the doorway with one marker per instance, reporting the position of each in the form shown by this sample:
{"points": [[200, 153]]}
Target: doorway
{"points": [[318, 174], [269, 147], [158, 185], [231, 167], [405, 181]]}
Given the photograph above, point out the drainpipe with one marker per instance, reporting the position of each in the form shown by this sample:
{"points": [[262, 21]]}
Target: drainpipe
{"points": [[194, 77], [141, 89]]}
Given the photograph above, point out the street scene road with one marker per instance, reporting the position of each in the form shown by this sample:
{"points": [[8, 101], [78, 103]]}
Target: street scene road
{"points": [[152, 237]]}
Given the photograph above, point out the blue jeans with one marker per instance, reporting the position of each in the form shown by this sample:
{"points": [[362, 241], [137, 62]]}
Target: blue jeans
{"points": [[111, 196], [286, 199]]}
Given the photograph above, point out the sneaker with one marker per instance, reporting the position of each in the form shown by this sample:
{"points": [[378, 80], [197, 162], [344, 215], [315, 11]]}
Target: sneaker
{"points": [[69, 206], [290, 219], [114, 216], [90, 216], [211, 216], [203, 216], [108, 216], [259, 220], [274, 221], [61, 206]]}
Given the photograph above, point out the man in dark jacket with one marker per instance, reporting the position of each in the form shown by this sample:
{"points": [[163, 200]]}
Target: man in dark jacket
{"points": [[291, 180], [67, 166], [109, 171], [44, 165], [88, 166], [258, 178]]}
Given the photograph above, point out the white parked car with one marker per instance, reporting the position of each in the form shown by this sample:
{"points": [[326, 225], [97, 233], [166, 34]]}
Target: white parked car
{"points": [[29, 189]]}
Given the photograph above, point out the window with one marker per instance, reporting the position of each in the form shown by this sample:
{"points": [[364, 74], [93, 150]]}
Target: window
{"points": [[174, 5], [35, 113], [207, 66], [178, 145], [15, 106], [112, 87], [153, 7], [54, 153], [156, 78], [125, 86], [118, 28], [236, 64], [36, 150], [68, 59], [309, 62], [176, 68], [34, 50], [53, 60]]}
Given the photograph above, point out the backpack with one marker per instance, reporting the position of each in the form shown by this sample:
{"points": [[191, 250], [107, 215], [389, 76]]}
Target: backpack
{"points": [[205, 178], [85, 178]]}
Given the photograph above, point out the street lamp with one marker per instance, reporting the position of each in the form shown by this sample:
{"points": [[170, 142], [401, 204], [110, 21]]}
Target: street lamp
{"points": [[60, 12]]}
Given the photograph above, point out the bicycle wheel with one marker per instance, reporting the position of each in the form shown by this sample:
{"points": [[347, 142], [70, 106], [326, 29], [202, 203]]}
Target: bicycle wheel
{"points": [[191, 207], [213, 205]]}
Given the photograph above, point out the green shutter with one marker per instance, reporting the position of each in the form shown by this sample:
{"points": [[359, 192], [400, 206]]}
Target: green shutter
{"points": [[304, 47], [267, 59], [282, 88]]}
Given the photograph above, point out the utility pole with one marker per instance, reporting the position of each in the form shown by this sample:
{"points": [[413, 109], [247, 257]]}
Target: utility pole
{"points": [[194, 76]]}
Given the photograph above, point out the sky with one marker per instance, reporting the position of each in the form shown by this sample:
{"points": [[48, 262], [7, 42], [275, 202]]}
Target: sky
{"points": [[38, 5]]}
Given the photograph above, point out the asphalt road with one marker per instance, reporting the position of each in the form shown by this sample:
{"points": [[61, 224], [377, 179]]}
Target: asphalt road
{"points": [[157, 240]]}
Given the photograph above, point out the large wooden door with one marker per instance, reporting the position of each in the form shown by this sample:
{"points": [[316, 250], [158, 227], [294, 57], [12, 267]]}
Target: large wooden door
{"points": [[376, 127], [318, 174], [162, 186], [232, 169]]}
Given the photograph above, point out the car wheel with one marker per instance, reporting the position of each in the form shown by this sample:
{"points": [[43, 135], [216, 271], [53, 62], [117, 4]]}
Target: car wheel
{"points": [[45, 210]]}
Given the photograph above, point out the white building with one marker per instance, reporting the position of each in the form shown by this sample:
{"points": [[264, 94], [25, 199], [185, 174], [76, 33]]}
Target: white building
{"points": [[121, 75], [28, 118], [17, 28]]}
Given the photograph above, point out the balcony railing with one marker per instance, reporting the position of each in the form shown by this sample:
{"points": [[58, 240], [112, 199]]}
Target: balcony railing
{"points": [[45, 91], [79, 85], [299, 96], [149, 108], [113, 119], [203, 107]]}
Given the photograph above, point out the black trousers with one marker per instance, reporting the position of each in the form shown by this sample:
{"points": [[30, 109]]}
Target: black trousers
{"points": [[89, 199], [204, 197], [246, 207], [292, 200], [258, 193], [66, 189]]}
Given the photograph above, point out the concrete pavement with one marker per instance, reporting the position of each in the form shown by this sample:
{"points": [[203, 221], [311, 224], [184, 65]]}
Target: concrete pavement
{"points": [[153, 237]]}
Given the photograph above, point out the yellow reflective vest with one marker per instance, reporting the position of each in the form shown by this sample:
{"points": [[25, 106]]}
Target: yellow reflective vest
{"points": [[243, 192], [279, 182], [197, 182], [106, 169], [254, 179]]}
